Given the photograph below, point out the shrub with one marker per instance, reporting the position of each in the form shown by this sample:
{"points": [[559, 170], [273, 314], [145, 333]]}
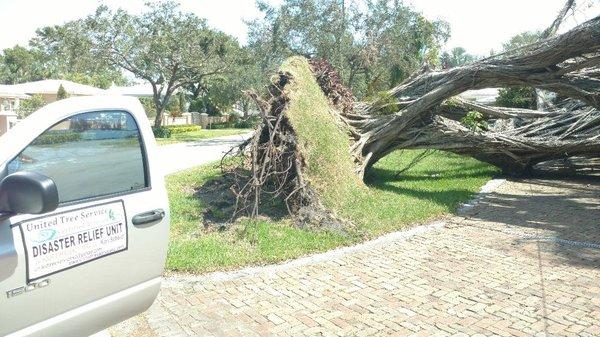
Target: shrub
{"points": [[183, 128], [474, 121], [161, 132], [57, 137], [516, 97], [31, 105], [61, 93]]}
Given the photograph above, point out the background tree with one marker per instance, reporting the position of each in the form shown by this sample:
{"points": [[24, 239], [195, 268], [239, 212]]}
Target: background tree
{"points": [[59, 52], [518, 96], [217, 94], [457, 56], [67, 52], [30, 105], [521, 40], [374, 45], [165, 47], [61, 93], [19, 64]]}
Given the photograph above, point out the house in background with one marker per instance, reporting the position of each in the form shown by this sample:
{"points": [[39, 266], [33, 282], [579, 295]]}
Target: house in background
{"points": [[10, 99], [48, 89], [11, 96]]}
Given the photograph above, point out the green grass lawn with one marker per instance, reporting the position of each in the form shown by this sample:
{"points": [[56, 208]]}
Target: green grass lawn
{"points": [[201, 134], [431, 189]]}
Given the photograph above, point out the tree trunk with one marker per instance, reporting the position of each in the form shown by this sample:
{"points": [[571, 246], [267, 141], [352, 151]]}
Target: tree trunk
{"points": [[159, 113], [427, 115], [566, 65]]}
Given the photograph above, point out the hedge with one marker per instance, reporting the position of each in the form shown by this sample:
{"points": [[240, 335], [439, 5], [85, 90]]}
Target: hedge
{"points": [[57, 137], [183, 128], [161, 132]]}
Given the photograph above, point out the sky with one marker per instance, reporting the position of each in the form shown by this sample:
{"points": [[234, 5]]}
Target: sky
{"points": [[479, 26]]}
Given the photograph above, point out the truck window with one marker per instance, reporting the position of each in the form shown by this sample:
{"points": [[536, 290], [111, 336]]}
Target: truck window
{"points": [[88, 155]]}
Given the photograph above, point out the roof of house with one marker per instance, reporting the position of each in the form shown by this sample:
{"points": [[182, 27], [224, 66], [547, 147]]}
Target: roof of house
{"points": [[8, 91], [51, 87]]}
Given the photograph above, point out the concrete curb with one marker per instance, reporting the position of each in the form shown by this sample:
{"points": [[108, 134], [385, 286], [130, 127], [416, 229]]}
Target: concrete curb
{"points": [[486, 189], [173, 281]]}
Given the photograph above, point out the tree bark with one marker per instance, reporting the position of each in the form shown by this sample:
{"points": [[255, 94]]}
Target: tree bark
{"points": [[566, 64]]}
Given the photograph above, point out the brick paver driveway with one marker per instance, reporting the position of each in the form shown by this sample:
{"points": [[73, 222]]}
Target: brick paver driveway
{"points": [[524, 261]]}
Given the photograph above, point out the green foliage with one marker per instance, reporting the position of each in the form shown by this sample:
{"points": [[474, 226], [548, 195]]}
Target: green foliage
{"points": [[61, 93], [204, 104], [177, 104], [57, 137], [517, 97], [149, 106], [248, 123], [31, 105], [183, 128], [59, 52], [19, 65], [458, 56], [384, 103], [521, 40], [181, 101], [219, 94], [474, 120], [161, 132], [373, 46], [166, 47]]}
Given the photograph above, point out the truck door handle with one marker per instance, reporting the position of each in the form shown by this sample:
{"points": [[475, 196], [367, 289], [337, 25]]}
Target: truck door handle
{"points": [[147, 217]]}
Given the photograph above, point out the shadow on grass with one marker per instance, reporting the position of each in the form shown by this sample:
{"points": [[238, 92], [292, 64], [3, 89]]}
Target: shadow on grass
{"points": [[381, 176], [428, 184], [449, 198]]}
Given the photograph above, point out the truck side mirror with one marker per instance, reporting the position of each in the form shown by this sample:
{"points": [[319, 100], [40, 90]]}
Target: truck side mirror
{"points": [[28, 193]]}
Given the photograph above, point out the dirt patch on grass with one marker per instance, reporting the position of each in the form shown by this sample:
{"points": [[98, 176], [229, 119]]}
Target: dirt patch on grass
{"points": [[221, 210]]}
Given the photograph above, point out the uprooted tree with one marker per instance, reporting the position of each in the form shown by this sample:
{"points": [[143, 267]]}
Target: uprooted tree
{"points": [[292, 154]]}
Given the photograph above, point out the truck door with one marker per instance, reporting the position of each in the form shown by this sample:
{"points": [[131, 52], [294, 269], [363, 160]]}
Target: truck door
{"points": [[97, 259]]}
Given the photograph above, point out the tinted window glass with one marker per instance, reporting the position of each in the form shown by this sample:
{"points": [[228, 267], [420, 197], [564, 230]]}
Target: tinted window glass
{"points": [[88, 155]]}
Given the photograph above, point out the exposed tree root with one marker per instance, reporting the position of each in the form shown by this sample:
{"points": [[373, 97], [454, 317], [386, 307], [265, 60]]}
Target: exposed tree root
{"points": [[276, 166]]}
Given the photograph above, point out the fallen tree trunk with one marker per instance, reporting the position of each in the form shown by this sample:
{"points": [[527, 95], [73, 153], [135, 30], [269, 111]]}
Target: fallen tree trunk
{"points": [[566, 64], [299, 152]]}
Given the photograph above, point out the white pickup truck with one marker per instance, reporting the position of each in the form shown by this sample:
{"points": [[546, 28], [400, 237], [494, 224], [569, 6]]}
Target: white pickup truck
{"points": [[84, 218]]}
